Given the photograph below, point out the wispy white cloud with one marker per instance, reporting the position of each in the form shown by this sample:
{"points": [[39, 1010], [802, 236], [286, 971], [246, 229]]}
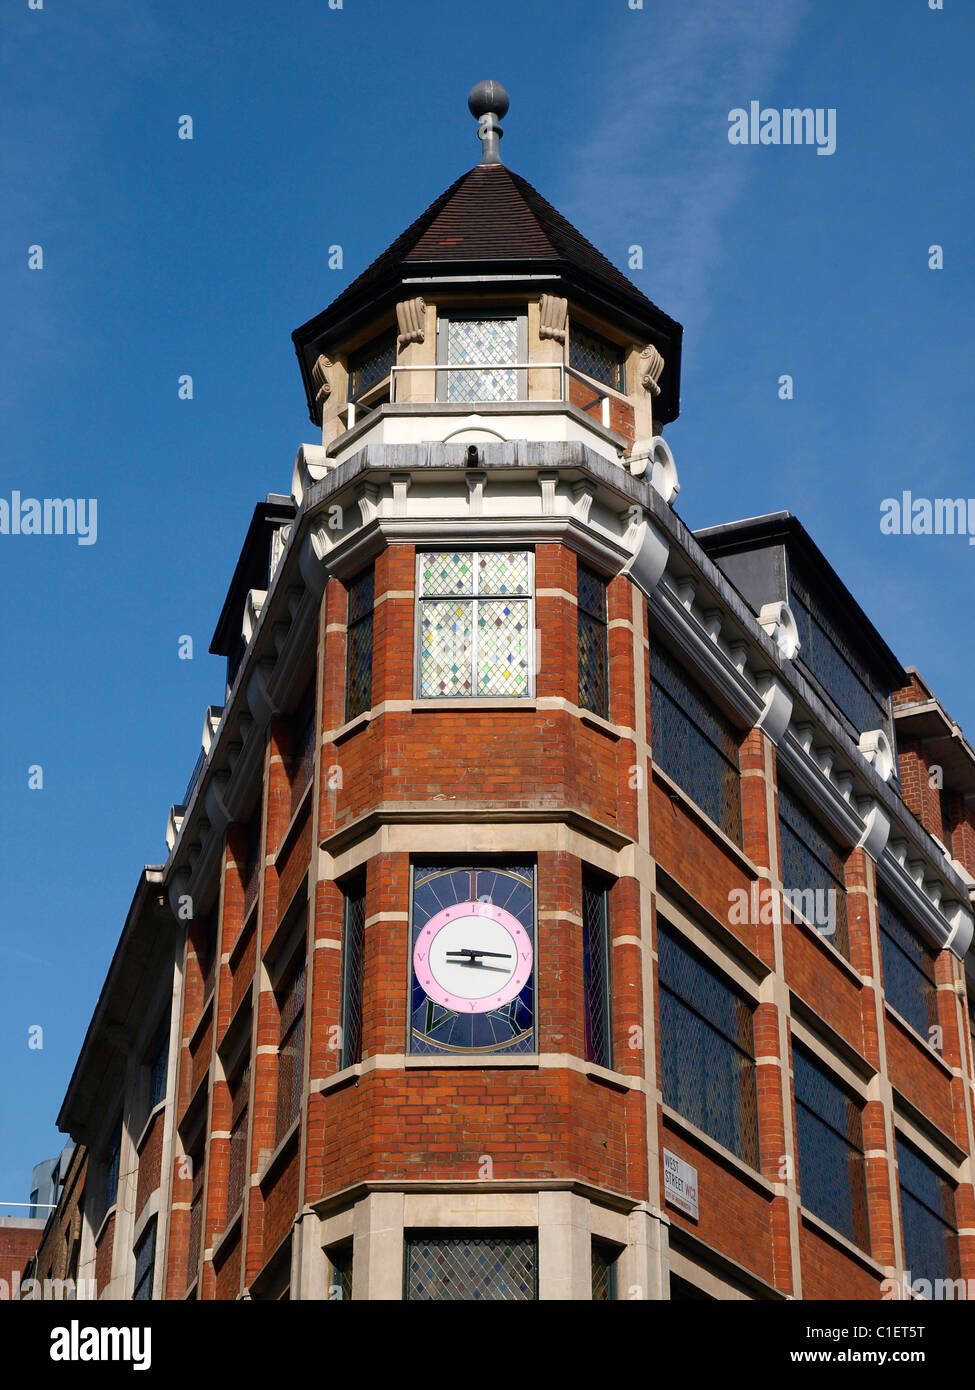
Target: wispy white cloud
{"points": [[656, 167]]}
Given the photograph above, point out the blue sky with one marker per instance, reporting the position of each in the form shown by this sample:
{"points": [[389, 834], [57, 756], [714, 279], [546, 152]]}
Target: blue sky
{"points": [[164, 256]]}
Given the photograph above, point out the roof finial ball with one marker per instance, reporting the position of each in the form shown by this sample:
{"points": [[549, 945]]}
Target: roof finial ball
{"points": [[488, 102]]}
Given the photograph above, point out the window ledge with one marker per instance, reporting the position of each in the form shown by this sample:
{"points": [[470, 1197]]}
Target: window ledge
{"points": [[677, 793], [229, 1231], [243, 936], [601, 725], [718, 1151], [350, 727], [293, 823], [837, 955], [499, 702], [830, 1233], [266, 1169], [159, 1105], [200, 1027], [918, 1039]]}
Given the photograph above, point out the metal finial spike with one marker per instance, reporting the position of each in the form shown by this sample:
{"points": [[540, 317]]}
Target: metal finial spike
{"points": [[488, 103]]}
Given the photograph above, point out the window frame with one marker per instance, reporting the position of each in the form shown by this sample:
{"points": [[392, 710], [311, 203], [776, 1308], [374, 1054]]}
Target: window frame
{"points": [[842, 932], [599, 621], [473, 599], [857, 1234], [597, 1051], [888, 943], [576, 327], [354, 892], [446, 316], [284, 991], [527, 1235], [147, 1278], [952, 1252], [357, 625]]}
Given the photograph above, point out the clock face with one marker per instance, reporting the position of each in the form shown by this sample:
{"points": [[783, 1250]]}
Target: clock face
{"points": [[473, 960]]}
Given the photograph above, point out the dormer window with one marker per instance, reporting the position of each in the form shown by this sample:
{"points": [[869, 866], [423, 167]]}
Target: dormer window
{"points": [[597, 357], [369, 365], [489, 343]]}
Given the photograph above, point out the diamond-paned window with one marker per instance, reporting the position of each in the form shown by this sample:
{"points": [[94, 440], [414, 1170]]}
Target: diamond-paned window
{"points": [[595, 970], [908, 965], [488, 344], [340, 1284], [358, 681], [487, 1268], [829, 1137], [694, 742], [593, 642], [603, 1272], [596, 357], [930, 1223], [353, 962], [812, 871], [707, 1048], [475, 624], [237, 1164], [291, 1033], [370, 364]]}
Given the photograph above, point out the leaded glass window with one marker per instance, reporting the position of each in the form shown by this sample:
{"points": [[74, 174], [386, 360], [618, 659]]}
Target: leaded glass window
{"points": [[196, 1213], [593, 642], [159, 1063], [488, 343], [908, 964], [370, 364], [595, 970], [340, 1284], [291, 1034], [145, 1259], [302, 746], [930, 1223], [111, 1176], [829, 1137], [358, 683], [353, 963], [251, 868], [603, 1272], [833, 662], [813, 871], [694, 742], [475, 623], [237, 1165], [468, 1268], [596, 357], [707, 1048]]}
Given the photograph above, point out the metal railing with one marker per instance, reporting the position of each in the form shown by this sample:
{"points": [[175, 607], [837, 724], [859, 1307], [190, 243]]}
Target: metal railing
{"points": [[602, 397]]}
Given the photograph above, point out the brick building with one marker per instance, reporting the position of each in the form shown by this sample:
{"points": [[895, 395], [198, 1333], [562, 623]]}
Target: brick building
{"points": [[492, 709]]}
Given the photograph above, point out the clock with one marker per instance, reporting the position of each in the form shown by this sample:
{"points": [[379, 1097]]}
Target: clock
{"points": [[473, 960]]}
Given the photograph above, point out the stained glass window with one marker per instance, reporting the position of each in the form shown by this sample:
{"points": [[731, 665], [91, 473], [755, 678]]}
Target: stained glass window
{"points": [[707, 1048], [694, 742], [237, 1165], [930, 1223], [812, 871], [834, 664], [475, 624], [603, 1271], [467, 1268], [370, 364], [829, 1138], [507, 1028], [593, 642], [595, 970], [196, 1213], [353, 962], [291, 1033], [358, 686], [908, 964], [145, 1259], [596, 357], [302, 746], [159, 1063], [488, 344]]}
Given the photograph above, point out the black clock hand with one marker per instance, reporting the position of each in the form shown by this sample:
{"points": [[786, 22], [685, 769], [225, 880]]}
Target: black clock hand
{"points": [[466, 951]]}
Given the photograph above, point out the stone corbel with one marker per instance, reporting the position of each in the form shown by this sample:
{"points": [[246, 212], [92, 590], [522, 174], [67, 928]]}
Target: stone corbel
{"points": [[777, 707], [547, 482], [253, 606], [876, 831], [411, 319], [321, 380], [656, 455], [552, 312], [476, 478], [582, 495], [179, 886], [961, 931], [367, 497], [259, 701], [312, 558], [401, 486], [875, 747], [778, 621], [651, 366], [311, 465], [648, 558], [217, 812]]}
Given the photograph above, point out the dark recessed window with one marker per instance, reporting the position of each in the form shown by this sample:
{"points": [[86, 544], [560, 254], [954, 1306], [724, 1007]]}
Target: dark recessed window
{"points": [[291, 1035], [707, 1047], [472, 1267], [813, 871], [302, 764], [694, 742], [159, 1063], [358, 683], [595, 970], [196, 1157], [930, 1223], [604, 1259], [251, 870], [371, 364], [353, 966], [831, 659], [832, 1173], [908, 965], [237, 1166], [597, 357], [593, 642], [340, 1284], [112, 1165], [145, 1259]]}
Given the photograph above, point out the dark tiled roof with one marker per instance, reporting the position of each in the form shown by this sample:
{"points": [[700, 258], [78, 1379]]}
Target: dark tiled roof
{"points": [[488, 214]]}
